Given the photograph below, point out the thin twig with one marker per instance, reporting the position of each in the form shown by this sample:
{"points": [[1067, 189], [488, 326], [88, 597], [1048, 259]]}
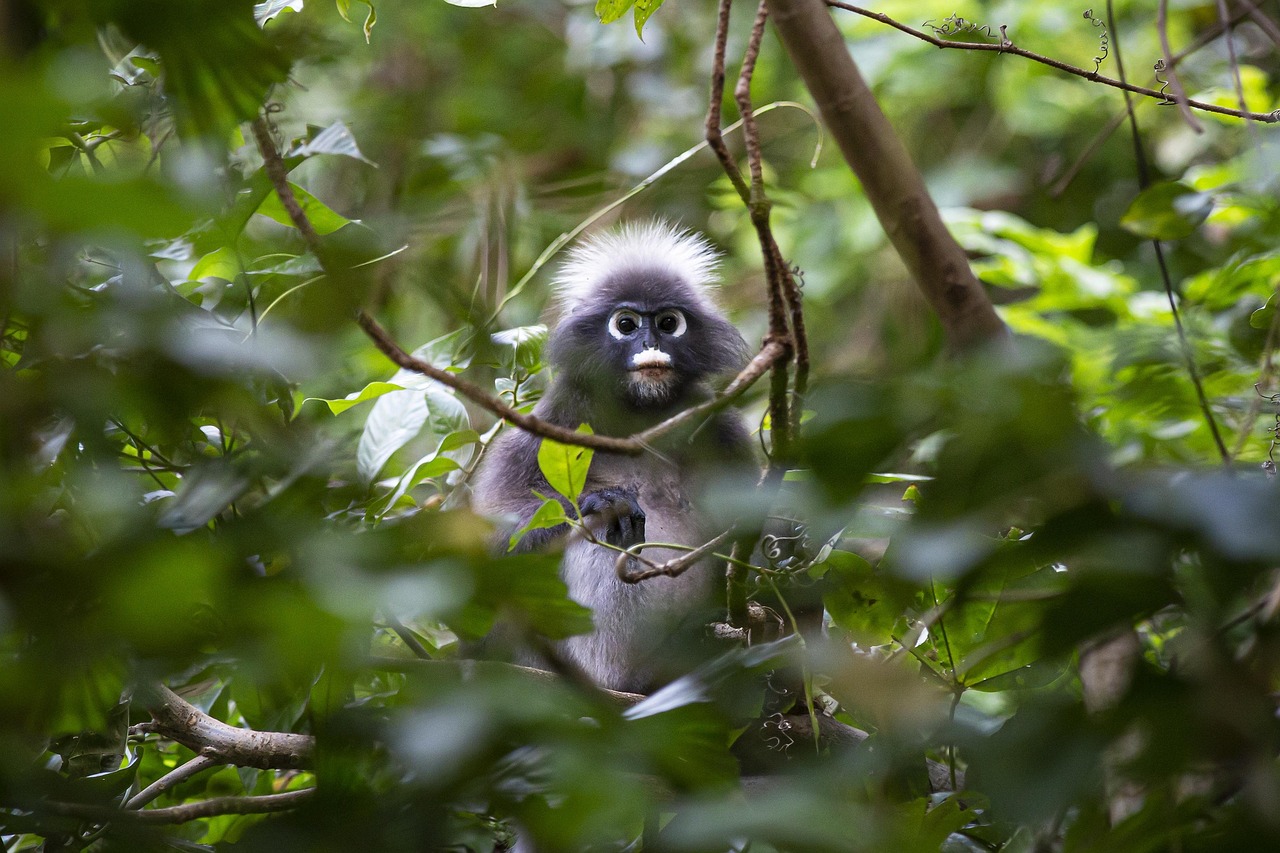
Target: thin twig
{"points": [[1205, 38], [178, 774], [758, 206], [1232, 59], [1268, 26], [674, 567], [715, 138], [633, 445], [742, 94], [274, 166], [1143, 180], [1170, 72], [1006, 46]]}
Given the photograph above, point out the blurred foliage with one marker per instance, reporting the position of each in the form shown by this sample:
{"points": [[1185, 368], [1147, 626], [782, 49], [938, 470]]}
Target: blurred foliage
{"points": [[212, 479]]}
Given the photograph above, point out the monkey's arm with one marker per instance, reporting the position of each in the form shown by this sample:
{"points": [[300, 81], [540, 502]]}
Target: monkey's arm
{"points": [[507, 487]]}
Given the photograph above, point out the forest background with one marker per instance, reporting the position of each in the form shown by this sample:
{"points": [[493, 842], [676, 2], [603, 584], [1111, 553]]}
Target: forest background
{"points": [[1044, 563]]}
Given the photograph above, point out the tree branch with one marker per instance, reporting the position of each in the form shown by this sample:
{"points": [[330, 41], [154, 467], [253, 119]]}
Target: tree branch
{"points": [[889, 179], [179, 774], [181, 721], [1006, 46], [263, 804], [633, 445]]}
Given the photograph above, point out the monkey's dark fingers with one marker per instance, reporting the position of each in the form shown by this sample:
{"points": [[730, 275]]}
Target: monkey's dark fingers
{"points": [[630, 528]]}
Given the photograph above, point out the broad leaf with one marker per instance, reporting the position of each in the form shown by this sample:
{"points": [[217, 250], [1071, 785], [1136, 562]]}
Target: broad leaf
{"points": [[565, 466]]}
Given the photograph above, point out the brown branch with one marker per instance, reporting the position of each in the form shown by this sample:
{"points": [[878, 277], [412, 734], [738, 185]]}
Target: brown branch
{"points": [[1006, 46], [891, 182], [274, 166], [784, 297], [181, 721], [672, 568], [742, 94], [632, 445], [1264, 23], [263, 804], [179, 774], [715, 138]]}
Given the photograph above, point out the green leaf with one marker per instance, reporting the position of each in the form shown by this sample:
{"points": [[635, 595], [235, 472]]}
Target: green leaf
{"points": [[344, 9], [220, 263], [369, 392], [322, 217], [1168, 211], [526, 343], [565, 466], [432, 465], [550, 514], [393, 422], [609, 11], [644, 10]]}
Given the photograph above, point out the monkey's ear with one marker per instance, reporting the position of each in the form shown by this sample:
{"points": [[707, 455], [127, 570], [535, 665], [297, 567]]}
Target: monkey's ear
{"points": [[650, 247]]}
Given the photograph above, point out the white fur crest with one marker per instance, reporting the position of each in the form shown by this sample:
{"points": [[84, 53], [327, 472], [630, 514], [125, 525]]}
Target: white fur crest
{"points": [[656, 245]]}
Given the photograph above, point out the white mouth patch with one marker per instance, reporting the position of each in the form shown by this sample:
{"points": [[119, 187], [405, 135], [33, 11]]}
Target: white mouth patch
{"points": [[650, 358]]}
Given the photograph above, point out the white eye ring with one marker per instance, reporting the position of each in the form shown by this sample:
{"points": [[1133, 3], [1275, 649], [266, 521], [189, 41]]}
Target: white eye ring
{"points": [[619, 318], [681, 323]]}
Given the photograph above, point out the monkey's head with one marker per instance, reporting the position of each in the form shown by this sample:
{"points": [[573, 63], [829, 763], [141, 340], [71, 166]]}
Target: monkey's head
{"points": [[639, 326]]}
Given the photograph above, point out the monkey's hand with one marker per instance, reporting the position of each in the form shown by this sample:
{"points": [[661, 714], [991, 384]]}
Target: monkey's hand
{"points": [[614, 516]]}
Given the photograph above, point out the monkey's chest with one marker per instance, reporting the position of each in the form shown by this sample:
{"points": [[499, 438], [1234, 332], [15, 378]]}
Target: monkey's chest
{"points": [[670, 511]]}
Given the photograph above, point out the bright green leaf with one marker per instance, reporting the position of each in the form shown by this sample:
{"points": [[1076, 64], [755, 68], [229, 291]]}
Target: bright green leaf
{"points": [[220, 263], [644, 10], [369, 392], [565, 466], [609, 11], [322, 217]]}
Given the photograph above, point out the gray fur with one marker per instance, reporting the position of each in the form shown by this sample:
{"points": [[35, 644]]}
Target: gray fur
{"points": [[632, 621]]}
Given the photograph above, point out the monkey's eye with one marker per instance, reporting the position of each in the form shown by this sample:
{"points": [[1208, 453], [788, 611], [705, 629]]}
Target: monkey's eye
{"points": [[623, 323], [671, 322]]}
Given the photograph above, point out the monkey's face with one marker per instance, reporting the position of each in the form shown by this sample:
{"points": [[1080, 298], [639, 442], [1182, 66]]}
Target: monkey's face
{"points": [[648, 344], [644, 340]]}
